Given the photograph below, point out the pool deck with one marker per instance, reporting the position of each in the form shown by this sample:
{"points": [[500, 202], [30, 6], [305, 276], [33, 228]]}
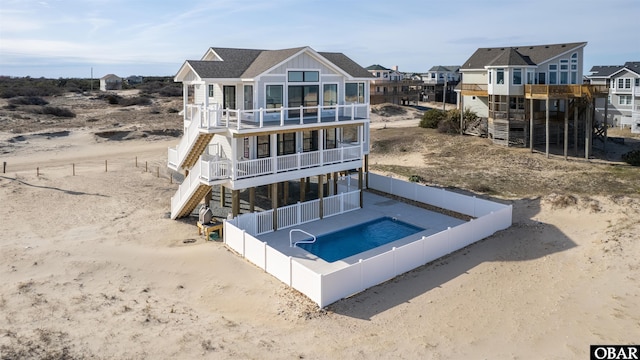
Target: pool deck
{"points": [[375, 206]]}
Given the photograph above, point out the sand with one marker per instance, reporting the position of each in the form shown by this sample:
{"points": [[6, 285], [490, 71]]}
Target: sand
{"points": [[92, 267]]}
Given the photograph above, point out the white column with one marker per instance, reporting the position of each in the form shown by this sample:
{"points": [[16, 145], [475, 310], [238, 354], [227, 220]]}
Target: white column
{"points": [[273, 153], [185, 100]]}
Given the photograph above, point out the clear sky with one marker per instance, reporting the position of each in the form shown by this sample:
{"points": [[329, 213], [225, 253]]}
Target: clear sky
{"points": [[69, 38]]}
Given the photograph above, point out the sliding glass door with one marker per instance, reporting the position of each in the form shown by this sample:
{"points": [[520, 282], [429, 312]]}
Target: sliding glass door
{"points": [[303, 95]]}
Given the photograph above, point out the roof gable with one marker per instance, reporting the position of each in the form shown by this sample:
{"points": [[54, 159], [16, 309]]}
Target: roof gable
{"points": [[531, 55]]}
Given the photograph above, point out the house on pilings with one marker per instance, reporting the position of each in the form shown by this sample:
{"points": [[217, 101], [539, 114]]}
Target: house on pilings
{"points": [[533, 96]]}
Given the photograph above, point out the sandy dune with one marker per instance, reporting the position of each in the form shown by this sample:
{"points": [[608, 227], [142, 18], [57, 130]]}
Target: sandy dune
{"points": [[92, 267]]}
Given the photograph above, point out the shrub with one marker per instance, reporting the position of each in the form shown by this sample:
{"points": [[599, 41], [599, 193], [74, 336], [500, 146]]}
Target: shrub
{"points": [[431, 118], [170, 91], [28, 100], [55, 111], [632, 157], [416, 178], [138, 100], [113, 99]]}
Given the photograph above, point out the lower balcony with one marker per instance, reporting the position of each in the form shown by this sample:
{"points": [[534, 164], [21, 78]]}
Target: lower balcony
{"points": [[214, 169]]}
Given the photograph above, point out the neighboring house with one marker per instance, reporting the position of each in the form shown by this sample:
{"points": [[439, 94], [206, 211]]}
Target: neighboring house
{"points": [[393, 86], [110, 82], [134, 80], [529, 93], [441, 80], [266, 117], [623, 82]]}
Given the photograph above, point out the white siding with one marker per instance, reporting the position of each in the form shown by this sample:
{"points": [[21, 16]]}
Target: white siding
{"points": [[200, 91], [474, 77], [479, 105], [223, 144], [304, 61]]}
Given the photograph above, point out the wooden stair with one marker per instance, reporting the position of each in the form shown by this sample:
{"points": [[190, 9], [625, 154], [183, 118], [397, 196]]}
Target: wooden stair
{"points": [[194, 200], [197, 149]]}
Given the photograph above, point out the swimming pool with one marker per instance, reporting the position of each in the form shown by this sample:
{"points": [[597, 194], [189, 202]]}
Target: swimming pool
{"points": [[343, 243]]}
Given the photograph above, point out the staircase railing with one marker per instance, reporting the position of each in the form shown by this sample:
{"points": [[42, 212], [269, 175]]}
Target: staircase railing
{"points": [[186, 189]]}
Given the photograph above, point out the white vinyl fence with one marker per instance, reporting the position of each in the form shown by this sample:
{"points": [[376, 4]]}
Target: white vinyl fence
{"points": [[325, 289]]}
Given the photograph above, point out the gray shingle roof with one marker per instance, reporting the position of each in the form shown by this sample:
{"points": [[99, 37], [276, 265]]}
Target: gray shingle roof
{"points": [[347, 65], [531, 55], [608, 70], [604, 71], [376, 67], [249, 63], [453, 68]]}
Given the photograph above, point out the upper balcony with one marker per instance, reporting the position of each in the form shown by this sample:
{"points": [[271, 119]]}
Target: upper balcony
{"points": [[213, 117], [565, 91], [474, 89]]}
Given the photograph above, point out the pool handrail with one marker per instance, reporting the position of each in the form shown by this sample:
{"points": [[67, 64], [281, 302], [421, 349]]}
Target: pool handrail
{"points": [[292, 244]]}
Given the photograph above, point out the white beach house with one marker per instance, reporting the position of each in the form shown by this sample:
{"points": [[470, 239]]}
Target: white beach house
{"points": [[263, 117]]}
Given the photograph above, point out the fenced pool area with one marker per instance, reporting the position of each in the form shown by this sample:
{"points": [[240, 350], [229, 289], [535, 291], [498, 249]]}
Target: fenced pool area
{"points": [[325, 282]]}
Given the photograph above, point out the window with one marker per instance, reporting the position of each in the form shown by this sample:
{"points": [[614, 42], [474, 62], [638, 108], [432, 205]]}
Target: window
{"points": [[330, 139], [516, 103], [274, 96], [303, 95], [564, 64], [310, 140], [530, 77], [210, 90], [354, 93], [627, 83], [564, 71], [489, 77], [620, 83], [541, 78], [500, 76], [286, 143], [624, 100], [553, 74], [517, 76], [637, 82], [330, 94], [264, 144], [304, 76]]}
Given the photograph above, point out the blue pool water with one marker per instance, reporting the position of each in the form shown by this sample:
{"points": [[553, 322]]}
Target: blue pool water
{"points": [[356, 239]]}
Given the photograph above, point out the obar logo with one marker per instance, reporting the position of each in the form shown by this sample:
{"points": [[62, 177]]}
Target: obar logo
{"points": [[609, 352]]}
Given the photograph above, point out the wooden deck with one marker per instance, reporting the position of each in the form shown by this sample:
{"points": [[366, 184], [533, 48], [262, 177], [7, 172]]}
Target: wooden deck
{"points": [[565, 91]]}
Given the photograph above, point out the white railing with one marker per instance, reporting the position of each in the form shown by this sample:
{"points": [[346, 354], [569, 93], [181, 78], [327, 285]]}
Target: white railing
{"points": [[215, 116], [250, 168], [185, 190], [177, 155], [257, 167], [214, 169], [259, 223]]}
